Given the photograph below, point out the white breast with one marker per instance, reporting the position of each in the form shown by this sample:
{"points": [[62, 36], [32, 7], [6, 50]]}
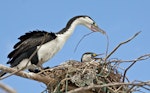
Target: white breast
{"points": [[49, 49]]}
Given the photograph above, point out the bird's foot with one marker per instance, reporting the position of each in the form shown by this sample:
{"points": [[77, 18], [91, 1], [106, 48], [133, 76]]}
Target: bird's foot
{"points": [[35, 70], [46, 68]]}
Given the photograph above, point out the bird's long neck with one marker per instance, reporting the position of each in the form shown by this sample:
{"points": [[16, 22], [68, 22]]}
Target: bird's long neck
{"points": [[69, 29]]}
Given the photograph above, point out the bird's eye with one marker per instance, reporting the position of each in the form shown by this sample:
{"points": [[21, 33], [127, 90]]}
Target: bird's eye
{"points": [[94, 55], [94, 24]]}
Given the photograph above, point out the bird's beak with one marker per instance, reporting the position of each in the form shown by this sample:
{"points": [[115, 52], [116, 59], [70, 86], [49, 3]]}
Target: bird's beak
{"points": [[100, 54], [95, 28], [95, 55]]}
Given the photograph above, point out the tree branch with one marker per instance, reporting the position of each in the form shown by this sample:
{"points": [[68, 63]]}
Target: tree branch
{"points": [[33, 76], [7, 88], [121, 44], [138, 59], [78, 90]]}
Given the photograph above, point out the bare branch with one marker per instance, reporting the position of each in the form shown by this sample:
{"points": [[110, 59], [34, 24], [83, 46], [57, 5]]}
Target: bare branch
{"points": [[139, 58], [7, 88], [121, 44], [81, 40], [23, 74], [143, 57], [107, 46], [78, 90]]}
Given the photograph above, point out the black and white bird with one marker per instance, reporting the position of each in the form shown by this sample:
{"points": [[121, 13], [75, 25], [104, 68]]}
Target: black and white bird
{"points": [[90, 57], [46, 44]]}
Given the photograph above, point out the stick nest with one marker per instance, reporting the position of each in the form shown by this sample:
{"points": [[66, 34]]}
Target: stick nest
{"points": [[73, 74]]}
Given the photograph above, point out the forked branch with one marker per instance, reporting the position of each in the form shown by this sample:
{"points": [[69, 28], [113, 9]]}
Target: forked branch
{"points": [[121, 44]]}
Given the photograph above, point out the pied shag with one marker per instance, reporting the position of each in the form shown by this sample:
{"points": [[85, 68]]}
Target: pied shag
{"points": [[90, 57], [46, 44]]}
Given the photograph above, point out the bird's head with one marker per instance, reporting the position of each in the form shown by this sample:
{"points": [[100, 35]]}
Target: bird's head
{"points": [[89, 56], [88, 22]]}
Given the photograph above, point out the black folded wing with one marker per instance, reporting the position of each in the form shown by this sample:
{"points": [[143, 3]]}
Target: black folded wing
{"points": [[28, 41]]}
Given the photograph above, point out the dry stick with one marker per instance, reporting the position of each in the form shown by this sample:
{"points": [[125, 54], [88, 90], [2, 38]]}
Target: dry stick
{"points": [[28, 61], [107, 47], [24, 74], [81, 40], [110, 90], [61, 82], [146, 88], [128, 91], [116, 91], [78, 90], [110, 82], [140, 58], [7, 88], [120, 45], [89, 34], [144, 57]]}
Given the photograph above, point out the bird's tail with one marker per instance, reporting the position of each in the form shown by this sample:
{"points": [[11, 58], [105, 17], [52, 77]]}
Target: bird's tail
{"points": [[2, 73]]}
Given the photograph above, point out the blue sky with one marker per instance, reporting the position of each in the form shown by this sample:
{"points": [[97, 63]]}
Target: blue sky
{"points": [[120, 19]]}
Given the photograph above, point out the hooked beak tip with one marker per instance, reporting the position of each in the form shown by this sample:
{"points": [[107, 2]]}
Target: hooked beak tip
{"points": [[101, 30], [97, 29]]}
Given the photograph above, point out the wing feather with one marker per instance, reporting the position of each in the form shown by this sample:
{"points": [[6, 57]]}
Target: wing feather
{"points": [[30, 40]]}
